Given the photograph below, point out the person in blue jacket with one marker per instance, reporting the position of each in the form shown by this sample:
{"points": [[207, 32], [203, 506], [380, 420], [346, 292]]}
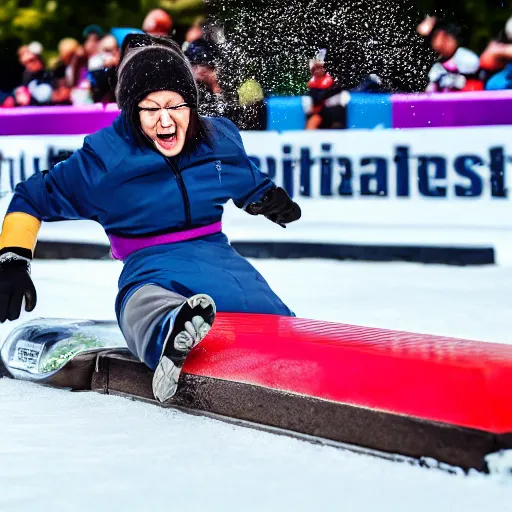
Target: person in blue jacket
{"points": [[156, 180]]}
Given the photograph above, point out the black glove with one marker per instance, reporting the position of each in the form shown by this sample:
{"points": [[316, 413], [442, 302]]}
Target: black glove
{"points": [[276, 206], [15, 283]]}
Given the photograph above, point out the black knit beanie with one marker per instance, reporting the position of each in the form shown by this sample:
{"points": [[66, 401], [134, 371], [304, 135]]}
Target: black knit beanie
{"points": [[153, 68]]}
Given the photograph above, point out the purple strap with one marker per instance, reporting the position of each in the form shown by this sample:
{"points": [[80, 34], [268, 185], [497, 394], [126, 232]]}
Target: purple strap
{"points": [[123, 247]]}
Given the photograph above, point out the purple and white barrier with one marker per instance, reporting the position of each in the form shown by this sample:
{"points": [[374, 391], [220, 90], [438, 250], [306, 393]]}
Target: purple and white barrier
{"points": [[482, 108], [58, 120], [399, 111]]}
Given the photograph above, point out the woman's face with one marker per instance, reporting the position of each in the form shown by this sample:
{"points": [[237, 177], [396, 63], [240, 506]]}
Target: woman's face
{"points": [[164, 118]]}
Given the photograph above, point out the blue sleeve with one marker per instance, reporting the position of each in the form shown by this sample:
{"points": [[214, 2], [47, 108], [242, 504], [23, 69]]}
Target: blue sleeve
{"points": [[255, 184], [64, 192]]}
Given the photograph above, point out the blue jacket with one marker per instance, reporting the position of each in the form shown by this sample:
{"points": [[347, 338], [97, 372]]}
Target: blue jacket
{"points": [[134, 191], [501, 80]]}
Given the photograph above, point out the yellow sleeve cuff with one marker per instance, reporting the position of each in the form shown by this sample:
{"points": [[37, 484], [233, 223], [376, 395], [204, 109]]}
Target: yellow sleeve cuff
{"points": [[19, 230]]}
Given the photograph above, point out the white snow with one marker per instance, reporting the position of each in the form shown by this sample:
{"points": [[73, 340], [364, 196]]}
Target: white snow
{"points": [[64, 451], [500, 463], [83, 451]]}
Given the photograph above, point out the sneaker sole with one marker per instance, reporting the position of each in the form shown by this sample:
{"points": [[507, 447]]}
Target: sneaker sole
{"points": [[167, 373]]}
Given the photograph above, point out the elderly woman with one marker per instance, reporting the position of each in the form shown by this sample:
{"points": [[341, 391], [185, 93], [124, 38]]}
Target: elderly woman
{"points": [[156, 180]]}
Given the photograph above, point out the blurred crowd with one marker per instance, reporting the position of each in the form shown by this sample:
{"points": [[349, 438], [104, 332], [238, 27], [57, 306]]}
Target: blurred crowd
{"points": [[82, 73], [84, 70], [457, 69], [460, 69]]}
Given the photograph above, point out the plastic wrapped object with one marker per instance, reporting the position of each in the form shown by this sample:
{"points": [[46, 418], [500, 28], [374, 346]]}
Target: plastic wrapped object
{"points": [[39, 349]]}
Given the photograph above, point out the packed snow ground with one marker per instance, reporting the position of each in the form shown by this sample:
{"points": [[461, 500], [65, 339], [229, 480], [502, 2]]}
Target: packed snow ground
{"points": [[80, 451], [64, 451]]}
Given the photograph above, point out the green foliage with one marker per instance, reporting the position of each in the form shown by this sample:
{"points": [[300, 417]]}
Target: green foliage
{"points": [[48, 21]]}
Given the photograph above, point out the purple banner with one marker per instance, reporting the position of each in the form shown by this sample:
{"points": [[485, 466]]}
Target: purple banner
{"points": [[64, 120], [481, 108]]}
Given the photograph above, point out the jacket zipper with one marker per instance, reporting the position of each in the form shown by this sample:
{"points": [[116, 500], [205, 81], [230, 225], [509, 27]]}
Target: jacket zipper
{"points": [[184, 194]]}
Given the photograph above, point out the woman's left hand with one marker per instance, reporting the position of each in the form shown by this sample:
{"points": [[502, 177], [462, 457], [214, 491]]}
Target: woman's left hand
{"points": [[277, 206]]}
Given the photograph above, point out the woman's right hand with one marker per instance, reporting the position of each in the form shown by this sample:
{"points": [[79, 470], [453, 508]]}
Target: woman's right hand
{"points": [[15, 283]]}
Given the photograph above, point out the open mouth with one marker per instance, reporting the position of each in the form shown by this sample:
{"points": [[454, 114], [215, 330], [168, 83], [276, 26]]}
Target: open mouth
{"points": [[166, 136], [166, 141]]}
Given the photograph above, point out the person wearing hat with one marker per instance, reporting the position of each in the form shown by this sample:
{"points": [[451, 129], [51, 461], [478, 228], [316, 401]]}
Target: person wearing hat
{"points": [[496, 60], [156, 180], [92, 35], [457, 68], [101, 78], [319, 86], [203, 57], [38, 84]]}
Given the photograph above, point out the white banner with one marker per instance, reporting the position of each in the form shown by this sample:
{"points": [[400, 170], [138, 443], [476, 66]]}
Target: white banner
{"points": [[415, 187]]}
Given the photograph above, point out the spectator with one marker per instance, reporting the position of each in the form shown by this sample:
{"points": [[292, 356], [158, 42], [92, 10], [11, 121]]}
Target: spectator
{"points": [[22, 50], [157, 23], [109, 51], [36, 79], [67, 48], [77, 70], [62, 91], [101, 79], [202, 57], [29, 56], [334, 109], [92, 35], [457, 68], [195, 32], [497, 61], [318, 86], [86, 58], [498, 53]]}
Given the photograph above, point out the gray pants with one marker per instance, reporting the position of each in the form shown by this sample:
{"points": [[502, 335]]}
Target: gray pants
{"points": [[142, 317]]}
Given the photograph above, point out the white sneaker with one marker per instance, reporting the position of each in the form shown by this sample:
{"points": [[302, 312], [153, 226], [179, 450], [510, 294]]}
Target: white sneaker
{"points": [[192, 322]]}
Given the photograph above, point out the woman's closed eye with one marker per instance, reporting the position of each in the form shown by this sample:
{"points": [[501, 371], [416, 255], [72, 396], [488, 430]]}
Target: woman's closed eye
{"points": [[149, 109], [168, 107], [177, 107]]}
